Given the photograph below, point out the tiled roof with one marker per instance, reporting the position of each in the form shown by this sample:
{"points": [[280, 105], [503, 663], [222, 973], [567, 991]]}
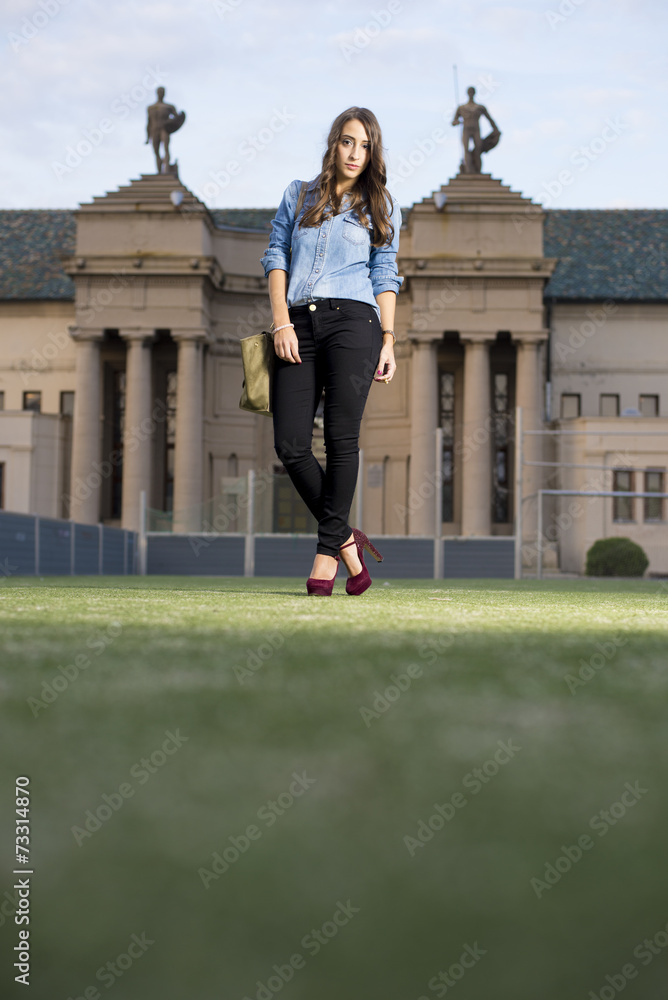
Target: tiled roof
{"points": [[30, 243], [618, 253], [243, 218], [603, 253]]}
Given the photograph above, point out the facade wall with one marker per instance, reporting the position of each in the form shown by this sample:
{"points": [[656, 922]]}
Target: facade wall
{"points": [[609, 347], [36, 352], [31, 450], [602, 445]]}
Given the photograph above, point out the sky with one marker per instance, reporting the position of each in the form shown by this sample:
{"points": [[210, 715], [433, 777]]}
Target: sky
{"points": [[577, 87]]}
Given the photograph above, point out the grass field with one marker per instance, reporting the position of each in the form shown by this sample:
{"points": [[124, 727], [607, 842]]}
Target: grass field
{"points": [[337, 799]]}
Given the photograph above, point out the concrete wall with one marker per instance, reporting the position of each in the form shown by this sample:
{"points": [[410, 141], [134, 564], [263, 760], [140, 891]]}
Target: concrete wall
{"points": [[31, 448], [609, 347], [36, 352]]}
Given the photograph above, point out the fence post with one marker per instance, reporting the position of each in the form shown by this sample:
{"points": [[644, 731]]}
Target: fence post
{"points": [[142, 547], [36, 545], [249, 541], [438, 524], [518, 492], [539, 538], [359, 489]]}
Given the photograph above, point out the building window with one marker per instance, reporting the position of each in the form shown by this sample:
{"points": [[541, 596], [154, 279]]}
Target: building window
{"points": [[649, 406], [447, 422], [608, 405], [66, 411], [67, 404], [170, 438], [570, 405], [653, 505], [2, 400], [117, 432], [501, 411], [2, 485], [32, 401], [622, 507]]}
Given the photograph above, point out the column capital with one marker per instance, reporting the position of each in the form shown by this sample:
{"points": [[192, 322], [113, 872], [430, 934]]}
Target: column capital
{"points": [[484, 337], [198, 334], [531, 337], [78, 333], [423, 337], [136, 333]]}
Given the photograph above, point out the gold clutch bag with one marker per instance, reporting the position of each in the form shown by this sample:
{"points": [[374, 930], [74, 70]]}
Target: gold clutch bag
{"points": [[257, 354]]}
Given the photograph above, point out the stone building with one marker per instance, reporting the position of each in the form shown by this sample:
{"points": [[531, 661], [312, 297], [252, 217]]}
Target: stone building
{"points": [[120, 368]]}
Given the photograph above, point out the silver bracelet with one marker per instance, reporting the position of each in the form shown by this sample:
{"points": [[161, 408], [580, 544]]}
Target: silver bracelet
{"points": [[394, 336], [276, 328]]}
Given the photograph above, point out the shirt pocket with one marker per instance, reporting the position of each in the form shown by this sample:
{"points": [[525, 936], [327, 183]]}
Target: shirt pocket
{"points": [[354, 231]]}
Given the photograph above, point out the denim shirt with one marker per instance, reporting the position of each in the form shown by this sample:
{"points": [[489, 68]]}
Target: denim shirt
{"points": [[334, 260]]}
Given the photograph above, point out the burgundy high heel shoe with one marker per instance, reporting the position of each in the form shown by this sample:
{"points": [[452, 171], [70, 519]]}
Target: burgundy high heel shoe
{"points": [[321, 588], [356, 585]]}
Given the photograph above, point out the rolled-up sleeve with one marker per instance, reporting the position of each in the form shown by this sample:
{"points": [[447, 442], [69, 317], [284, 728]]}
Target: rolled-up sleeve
{"points": [[277, 254], [383, 269]]}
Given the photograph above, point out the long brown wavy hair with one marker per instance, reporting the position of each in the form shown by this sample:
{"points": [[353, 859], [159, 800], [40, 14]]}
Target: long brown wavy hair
{"points": [[369, 196]]}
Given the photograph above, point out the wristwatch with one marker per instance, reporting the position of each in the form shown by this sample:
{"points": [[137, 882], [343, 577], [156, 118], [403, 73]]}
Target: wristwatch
{"points": [[394, 336]]}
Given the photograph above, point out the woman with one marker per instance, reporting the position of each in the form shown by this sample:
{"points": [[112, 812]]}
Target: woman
{"points": [[333, 283]]}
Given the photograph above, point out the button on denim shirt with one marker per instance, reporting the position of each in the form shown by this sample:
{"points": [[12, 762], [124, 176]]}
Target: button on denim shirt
{"points": [[334, 260]]}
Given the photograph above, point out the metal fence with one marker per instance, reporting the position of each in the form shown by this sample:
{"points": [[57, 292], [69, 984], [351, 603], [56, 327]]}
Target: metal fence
{"points": [[235, 540], [410, 557], [46, 546]]}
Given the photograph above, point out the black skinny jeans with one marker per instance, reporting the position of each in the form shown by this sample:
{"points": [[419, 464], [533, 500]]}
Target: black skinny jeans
{"points": [[339, 346]]}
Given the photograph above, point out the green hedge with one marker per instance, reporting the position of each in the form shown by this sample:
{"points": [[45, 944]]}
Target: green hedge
{"points": [[616, 557]]}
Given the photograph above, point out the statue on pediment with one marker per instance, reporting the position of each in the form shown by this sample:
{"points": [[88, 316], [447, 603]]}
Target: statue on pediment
{"points": [[162, 120], [470, 114]]}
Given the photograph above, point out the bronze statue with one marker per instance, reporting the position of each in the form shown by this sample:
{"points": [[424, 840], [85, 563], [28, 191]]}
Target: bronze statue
{"points": [[163, 119], [470, 114]]}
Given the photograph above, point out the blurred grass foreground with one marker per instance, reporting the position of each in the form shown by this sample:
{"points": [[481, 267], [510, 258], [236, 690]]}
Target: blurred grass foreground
{"points": [[238, 792]]}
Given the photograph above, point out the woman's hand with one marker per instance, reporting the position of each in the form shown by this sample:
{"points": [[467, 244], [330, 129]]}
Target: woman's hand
{"points": [[286, 345], [386, 363]]}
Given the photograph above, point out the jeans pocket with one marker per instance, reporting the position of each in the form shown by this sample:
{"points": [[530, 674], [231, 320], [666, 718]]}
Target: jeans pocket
{"points": [[356, 308]]}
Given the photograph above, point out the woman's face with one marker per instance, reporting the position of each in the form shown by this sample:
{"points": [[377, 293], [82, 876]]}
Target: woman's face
{"points": [[352, 152]]}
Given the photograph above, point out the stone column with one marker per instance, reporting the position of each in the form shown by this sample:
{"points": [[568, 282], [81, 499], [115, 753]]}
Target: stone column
{"points": [[138, 430], [188, 445], [528, 395], [424, 420], [86, 427], [477, 433]]}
